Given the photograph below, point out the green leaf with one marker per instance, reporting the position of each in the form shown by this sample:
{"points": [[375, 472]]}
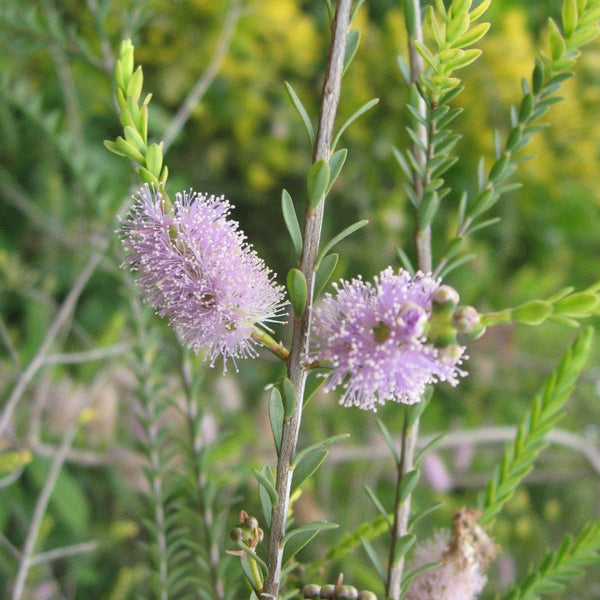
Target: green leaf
{"points": [[557, 42], [265, 497], [479, 10], [584, 36], [296, 539], [427, 209], [403, 164], [154, 159], [317, 183], [288, 395], [135, 84], [457, 27], [339, 237], [363, 109], [267, 484], [336, 162], [124, 148], [409, 481], [389, 440], [570, 17], [472, 36], [377, 503], [526, 108], [302, 112], [532, 313], [298, 291], [325, 270], [374, 559], [425, 53], [276, 415], [403, 545], [314, 526], [316, 446], [464, 59], [291, 222], [580, 305], [305, 468], [498, 168], [134, 138], [352, 42]]}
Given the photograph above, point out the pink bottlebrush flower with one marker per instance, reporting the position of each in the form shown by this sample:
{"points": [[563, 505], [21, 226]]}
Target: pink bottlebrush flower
{"points": [[464, 558], [193, 266], [373, 336]]}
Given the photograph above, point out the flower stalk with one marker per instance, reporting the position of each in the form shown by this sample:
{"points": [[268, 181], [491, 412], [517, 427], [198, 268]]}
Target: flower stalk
{"points": [[297, 369]]}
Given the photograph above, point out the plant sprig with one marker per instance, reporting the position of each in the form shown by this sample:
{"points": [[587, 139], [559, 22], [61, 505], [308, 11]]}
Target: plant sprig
{"points": [[429, 106], [566, 307], [580, 20], [134, 119], [560, 566], [519, 455]]}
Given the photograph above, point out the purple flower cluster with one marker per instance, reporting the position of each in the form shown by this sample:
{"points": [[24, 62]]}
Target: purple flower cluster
{"points": [[373, 336], [194, 266]]}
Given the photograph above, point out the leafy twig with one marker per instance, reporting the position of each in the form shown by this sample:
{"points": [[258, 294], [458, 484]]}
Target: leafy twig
{"points": [[560, 566], [519, 455]]}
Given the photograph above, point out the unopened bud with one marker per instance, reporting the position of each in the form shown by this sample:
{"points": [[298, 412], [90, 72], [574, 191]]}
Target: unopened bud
{"points": [[237, 534], [348, 591], [251, 522], [468, 321], [328, 591], [312, 590], [446, 295], [367, 595]]}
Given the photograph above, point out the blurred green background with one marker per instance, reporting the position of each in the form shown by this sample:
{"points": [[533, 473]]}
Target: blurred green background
{"points": [[60, 192]]}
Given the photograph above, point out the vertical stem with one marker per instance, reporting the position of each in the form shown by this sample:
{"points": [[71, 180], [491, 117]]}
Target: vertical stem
{"points": [[412, 12], [300, 338]]}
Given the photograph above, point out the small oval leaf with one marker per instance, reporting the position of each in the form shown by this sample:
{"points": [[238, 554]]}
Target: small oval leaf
{"points": [[288, 395], [317, 183], [297, 290], [276, 415], [291, 222], [305, 468], [324, 272]]}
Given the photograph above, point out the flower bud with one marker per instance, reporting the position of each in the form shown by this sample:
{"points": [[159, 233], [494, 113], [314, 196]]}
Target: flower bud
{"points": [[446, 294], [251, 522], [237, 534], [312, 590], [348, 591], [328, 591], [367, 595], [468, 321]]}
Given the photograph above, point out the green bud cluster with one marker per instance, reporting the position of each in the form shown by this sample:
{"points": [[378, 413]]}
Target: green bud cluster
{"points": [[134, 119], [336, 592], [247, 531]]}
